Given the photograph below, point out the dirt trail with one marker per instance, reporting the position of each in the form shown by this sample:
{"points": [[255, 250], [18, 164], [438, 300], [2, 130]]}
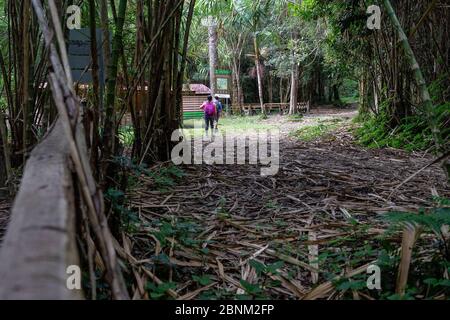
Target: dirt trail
{"points": [[286, 125], [219, 218]]}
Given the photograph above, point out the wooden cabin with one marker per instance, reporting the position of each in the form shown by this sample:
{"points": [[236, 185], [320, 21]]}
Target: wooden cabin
{"points": [[193, 99]]}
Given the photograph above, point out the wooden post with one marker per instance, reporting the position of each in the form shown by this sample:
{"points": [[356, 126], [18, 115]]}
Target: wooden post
{"points": [[40, 242]]}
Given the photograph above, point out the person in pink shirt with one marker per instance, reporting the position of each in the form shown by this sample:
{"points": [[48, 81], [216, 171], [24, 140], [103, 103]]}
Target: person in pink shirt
{"points": [[210, 110]]}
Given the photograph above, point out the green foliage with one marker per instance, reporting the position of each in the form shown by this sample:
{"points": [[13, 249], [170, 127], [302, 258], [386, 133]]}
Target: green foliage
{"points": [[349, 91], [256, 291], [204, 280], [251, 289], [412, 134], [262, 269], [127, 136], [129, 219], [354, 284], [296, 118], [158, 292], [310, 133], [430, 256], [184, 231], [166, 177], [432, 220]]}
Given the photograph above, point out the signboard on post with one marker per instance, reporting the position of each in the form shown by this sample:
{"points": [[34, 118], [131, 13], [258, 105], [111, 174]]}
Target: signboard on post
{"points": [[80, 56], [223, 81]]}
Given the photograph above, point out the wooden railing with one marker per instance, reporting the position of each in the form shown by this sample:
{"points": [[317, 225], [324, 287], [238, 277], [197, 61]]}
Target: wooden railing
{"points": [[40, 242], [282, 108]]}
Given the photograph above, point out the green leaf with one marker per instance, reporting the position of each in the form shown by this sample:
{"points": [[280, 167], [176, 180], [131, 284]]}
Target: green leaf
{"points": [[203, 280], [258, 266], [352, 285], [273, 268], [250, 288]]}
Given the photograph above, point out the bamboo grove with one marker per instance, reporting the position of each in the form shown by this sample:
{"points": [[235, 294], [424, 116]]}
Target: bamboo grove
{"points": [[276, 50], [159, 57]]}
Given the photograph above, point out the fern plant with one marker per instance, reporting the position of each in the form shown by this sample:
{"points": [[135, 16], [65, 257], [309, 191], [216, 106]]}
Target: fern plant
{"points": [[435, 220]]}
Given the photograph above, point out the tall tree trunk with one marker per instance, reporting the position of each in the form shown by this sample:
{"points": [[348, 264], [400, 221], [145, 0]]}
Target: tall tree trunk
{"points": [[259, 74], [235, 91], [336, 95], [104, 18], [288, 90], [181, 73], [95, 111], [270, 88], [106, 47], [238, 97], [239, 88], [109, 126], [294, 89], [5, 160], [363, 95], [281, 90], [27, 113], [212, 33], [294, 77]]}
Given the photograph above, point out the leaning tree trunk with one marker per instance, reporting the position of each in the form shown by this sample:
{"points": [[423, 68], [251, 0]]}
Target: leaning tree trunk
{"points": [[421, 83], [259, 75]]}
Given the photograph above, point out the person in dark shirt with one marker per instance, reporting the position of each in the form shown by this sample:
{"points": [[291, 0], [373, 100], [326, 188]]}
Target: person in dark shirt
{"points": [[219, 108]]}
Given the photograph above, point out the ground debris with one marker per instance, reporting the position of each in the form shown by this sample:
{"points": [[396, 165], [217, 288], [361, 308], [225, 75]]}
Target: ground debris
{"points": [[224, 231]]}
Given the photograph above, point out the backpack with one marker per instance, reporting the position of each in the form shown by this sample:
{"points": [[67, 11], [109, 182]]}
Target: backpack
{"points": [[210, 109], [219, 106]]}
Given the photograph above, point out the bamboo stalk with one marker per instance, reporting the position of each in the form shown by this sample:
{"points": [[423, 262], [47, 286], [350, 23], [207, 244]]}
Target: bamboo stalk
{"points": [[418, 75]]}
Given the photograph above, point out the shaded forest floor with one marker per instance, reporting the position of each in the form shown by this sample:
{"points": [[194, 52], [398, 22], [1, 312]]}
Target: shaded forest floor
{"points": [[224, 232]]}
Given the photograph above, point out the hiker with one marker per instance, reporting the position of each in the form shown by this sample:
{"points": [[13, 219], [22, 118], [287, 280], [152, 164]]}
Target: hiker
{"points": [[210, 110], [219, 108]]}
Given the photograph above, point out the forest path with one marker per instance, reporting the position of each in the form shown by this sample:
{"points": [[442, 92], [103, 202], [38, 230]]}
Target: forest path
{"points": [[328, 199]]}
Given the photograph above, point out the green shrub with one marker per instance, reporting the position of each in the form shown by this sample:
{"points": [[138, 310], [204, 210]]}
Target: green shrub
{"points": [[412, 134]]}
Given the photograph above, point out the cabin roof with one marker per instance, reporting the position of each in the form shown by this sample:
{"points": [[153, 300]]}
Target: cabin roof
{"points": [[199, 88]]}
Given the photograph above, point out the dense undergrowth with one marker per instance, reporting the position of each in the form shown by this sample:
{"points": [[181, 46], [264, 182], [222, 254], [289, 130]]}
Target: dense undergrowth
{"points": [[413, 133]]}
